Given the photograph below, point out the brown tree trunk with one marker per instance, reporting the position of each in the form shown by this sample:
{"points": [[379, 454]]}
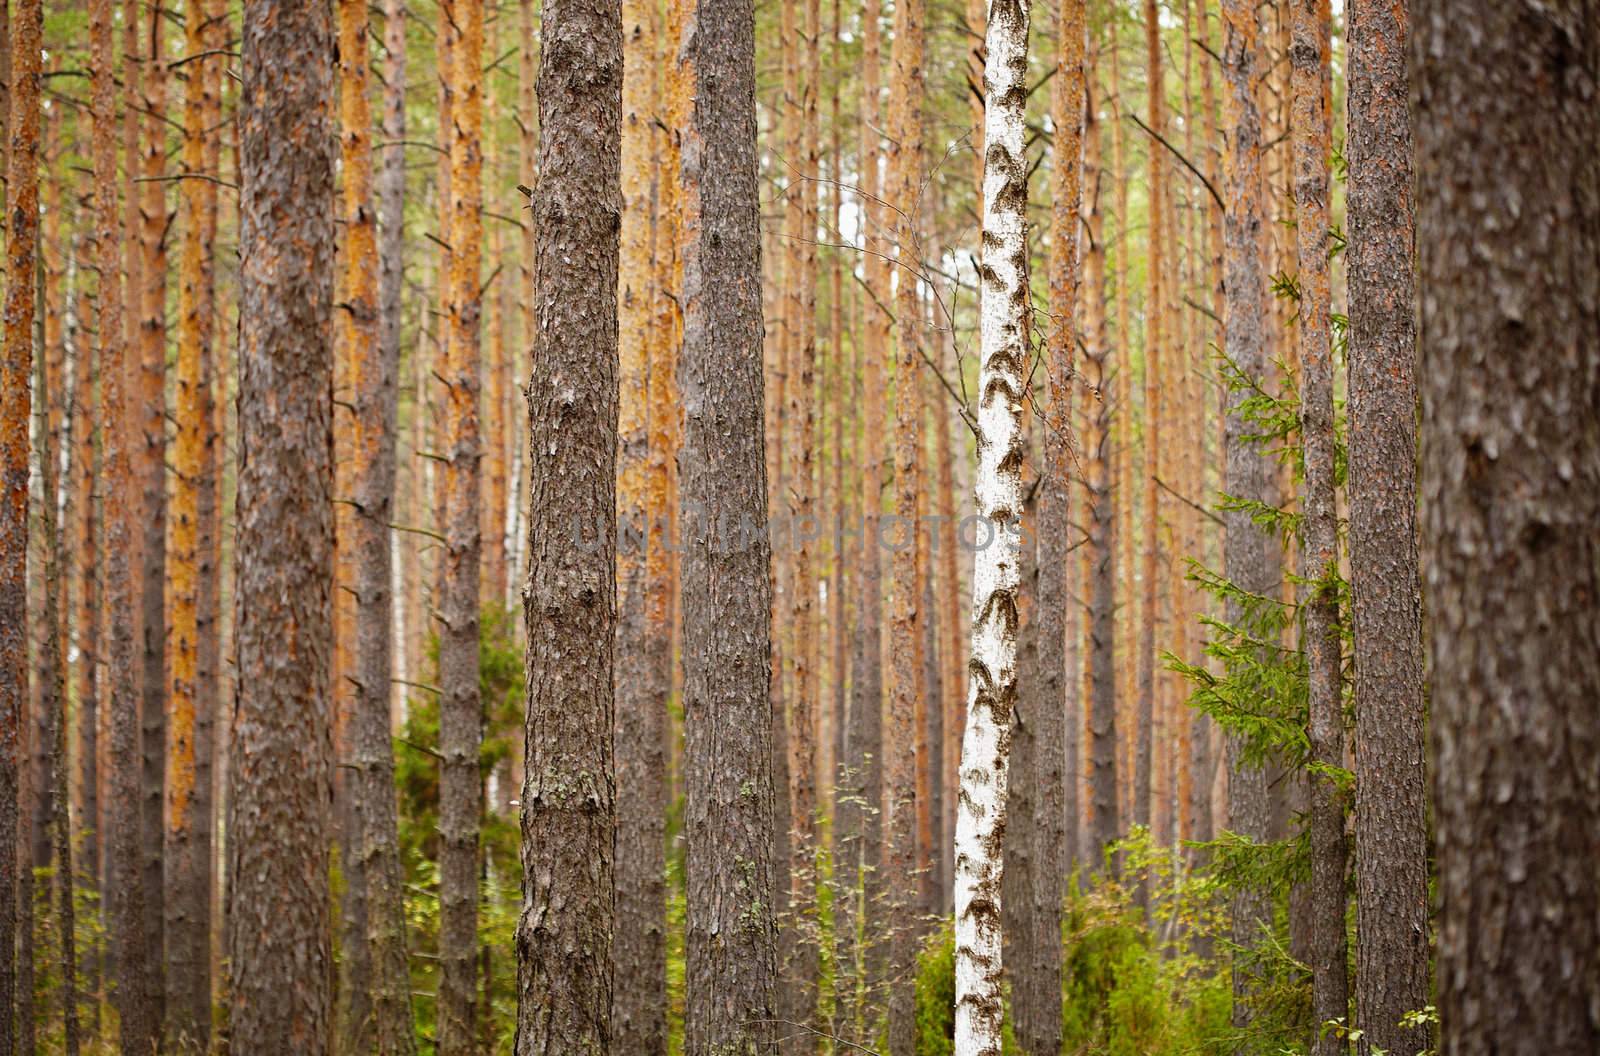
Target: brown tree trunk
{"points": [[151, 470], [15, 374], [460, 707], [564, 939], [187, 850], [1312, 129], [1105, 823], [124, 879], [867, 764], [907, 698], [281, 758], [1508, 230], [1155, 354], [1391, 852], [1101, 449], [1202, 760], [731, 959], [639, 1003], [1246, 560], [49, 378], [376, 988], [1039, 731], [15, 392]]}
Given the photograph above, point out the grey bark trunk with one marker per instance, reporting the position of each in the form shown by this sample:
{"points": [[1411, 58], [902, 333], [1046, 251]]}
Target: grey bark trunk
{"points": [[281, 760], [1391, 853], [731, 938], [1508, 226], [564, 939]]}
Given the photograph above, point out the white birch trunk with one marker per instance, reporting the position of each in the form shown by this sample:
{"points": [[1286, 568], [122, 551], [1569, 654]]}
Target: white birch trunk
{"points": [[1003, 281]]}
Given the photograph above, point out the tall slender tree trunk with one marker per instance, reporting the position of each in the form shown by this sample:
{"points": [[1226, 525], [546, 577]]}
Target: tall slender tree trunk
{"points": [[187, 851], [22, 181], [907, 698], [281, 765], [460, 707], [639, 1009], [1312, 127], [88, 415], [564, 939], [1391, 852], [1003, 273], [1105, 822], [124, 879], [151, 470], [1508, 230], [800, 332], [1246, 561], [377, 1001], [1040, 732], [1101, 447], [731, 959], [49, 378], [1202, 760], [1155, 355], [875, 347]]}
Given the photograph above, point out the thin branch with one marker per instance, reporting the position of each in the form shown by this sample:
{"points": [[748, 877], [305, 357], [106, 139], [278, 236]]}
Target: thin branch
{"points": [[187, 176], [1185, 499], [1179, 155]]}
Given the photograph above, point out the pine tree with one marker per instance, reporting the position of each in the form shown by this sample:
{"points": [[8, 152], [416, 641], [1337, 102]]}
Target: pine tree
{"points": [[730, 938], [281, 759], [1391, 852], [1508, 233], [564, 938]]}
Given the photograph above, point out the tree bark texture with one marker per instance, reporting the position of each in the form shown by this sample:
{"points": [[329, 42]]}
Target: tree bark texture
{"points": [[1246, 560], [564, 939], [281, 760], [16, 369], [1508, 226], [1311, 124], [1391, 853], [1003, 274], [907, 695], [731, 954], [639, 1002]]}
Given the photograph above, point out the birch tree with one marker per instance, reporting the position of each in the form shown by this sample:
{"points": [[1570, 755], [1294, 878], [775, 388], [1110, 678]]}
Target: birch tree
{"points": [[1003, 275]]}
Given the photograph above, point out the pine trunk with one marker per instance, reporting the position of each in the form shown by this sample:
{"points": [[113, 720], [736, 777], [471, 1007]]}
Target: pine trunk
{"points": [[639, 1003], [731, 957], [16, 369], [867, 764], [1312, 128], [1391, 842], [187, 850], [569, 814], [907, 698], [280, 805], [376, 986], [124, 879], [151, 470], [1508, 231], [1246, 562], [460, 706]]}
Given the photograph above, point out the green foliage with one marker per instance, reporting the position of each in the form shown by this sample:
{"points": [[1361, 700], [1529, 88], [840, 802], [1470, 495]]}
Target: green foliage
{"points": [[501, 686]]}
